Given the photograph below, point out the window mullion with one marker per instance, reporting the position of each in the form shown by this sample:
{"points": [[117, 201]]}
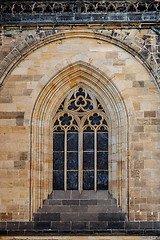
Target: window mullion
{"points": [[65, 161], [81, 114], [80, 162], [95, 160]]}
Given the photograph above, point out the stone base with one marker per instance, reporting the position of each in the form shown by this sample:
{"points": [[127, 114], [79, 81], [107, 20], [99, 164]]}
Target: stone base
{"points": [[68, 237], [123, 228]]}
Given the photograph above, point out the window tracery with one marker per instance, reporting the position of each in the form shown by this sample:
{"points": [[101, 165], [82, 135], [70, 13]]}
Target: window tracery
{"points": [[80, 143]]}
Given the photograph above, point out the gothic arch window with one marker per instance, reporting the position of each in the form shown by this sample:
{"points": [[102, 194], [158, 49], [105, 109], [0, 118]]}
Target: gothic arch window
{"points": [[80, 143]]}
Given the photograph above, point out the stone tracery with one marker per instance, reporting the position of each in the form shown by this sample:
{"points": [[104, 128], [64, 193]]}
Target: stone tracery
{"points": [[54, 7], [91, 126]]}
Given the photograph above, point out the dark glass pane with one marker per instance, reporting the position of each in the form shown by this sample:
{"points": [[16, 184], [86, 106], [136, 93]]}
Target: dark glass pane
{"points": [[88, 160], [95, 119], [88, 180], [58, 141], [65, 119], [88, 141], [102, 180], [80, 92], [102, 160], [56, 123], [58, 129], [88, 128], [72, 160], [58, 160], [103, 129], [58, 180], [88, 106], [104, 122], [72, 141], [72, 180], [73, 128], [102, 141]]}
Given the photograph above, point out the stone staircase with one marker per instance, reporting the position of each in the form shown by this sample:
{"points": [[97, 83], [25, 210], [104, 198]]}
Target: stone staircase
{"points": [[74, 211], [87, 214]]}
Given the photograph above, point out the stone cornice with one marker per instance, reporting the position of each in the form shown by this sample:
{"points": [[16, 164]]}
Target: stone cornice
{"points": [[77, 6], [15, 12]]}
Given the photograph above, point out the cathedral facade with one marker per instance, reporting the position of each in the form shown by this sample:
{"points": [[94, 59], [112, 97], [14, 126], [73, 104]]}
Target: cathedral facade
{"points": [[79, 119]]}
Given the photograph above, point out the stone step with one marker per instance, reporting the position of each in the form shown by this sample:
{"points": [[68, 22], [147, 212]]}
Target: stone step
{"points": [[74, 194], [76, 208], [108, 202], [86, 207], [79, 217], [79, 225]]}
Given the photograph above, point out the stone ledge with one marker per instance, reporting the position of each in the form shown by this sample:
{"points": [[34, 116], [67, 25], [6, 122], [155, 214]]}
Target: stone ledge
{"points": [[48, 227], [81, 18]]}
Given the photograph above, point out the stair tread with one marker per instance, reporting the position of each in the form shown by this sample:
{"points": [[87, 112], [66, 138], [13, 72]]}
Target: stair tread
{"points": [[74, 194], [72, 206]]}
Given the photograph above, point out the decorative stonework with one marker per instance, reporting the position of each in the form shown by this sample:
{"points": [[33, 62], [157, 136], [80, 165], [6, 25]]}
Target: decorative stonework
{"points": [[78, 12], [35, 56], [54, 7], [130, 40], [117, 120], [80, 143]]}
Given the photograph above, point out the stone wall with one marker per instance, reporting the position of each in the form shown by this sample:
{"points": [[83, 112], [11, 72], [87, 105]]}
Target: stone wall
{"points": [[127, 59]]}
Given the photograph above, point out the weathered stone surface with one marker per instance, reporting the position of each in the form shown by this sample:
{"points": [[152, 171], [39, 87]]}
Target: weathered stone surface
{"points": [[107, 49], [150, 114], [138, 84], [11, 115]]}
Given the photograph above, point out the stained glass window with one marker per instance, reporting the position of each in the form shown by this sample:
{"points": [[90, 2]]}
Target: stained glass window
{"points": [[80, 143]]}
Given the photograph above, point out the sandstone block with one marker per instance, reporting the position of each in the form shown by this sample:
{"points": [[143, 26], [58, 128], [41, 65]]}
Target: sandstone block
{"points": [[139, 129], [137, 84], [150, 114], [19, 164]]}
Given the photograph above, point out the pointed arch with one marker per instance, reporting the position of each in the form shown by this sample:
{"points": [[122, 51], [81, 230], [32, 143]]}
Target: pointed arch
{"points": [[41, 152], [32, 42], [80, 117]]}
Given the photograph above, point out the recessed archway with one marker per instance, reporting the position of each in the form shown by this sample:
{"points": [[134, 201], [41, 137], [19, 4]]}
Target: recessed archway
{"points": [[45, 107], [33, 42]]}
